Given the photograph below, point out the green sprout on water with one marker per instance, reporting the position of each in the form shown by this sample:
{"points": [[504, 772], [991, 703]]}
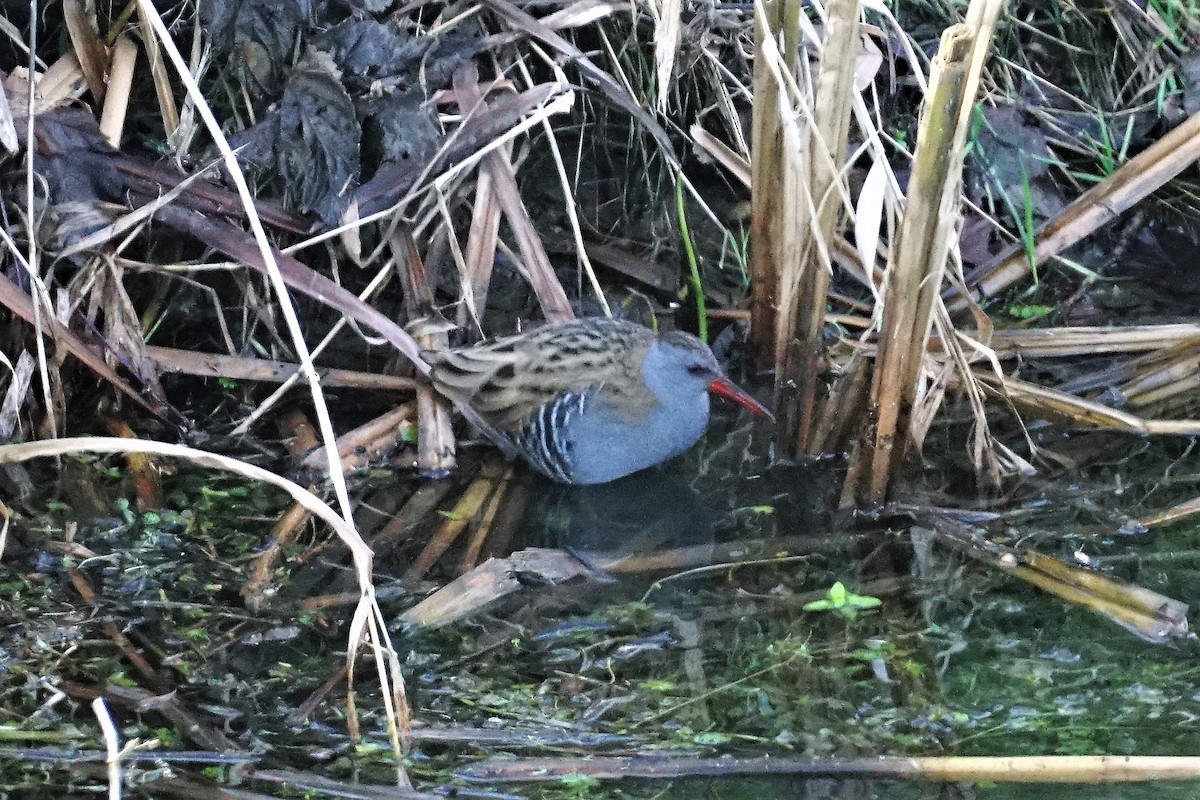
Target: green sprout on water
{"points": [[843, 602]]}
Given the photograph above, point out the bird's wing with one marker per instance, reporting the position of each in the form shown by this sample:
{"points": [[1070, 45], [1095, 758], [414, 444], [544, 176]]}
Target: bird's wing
{"points": [[508, 380]]}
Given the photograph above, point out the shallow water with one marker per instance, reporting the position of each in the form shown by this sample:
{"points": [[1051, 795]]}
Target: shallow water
{"points": [[959, 659], [696, 660]]}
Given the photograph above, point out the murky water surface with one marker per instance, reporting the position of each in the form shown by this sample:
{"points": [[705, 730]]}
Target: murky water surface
{"points": [[958, 659], [662, 651]]}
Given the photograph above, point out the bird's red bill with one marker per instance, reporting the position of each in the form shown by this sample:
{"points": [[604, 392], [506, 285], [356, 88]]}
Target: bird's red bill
{"points": [[727, 389]]}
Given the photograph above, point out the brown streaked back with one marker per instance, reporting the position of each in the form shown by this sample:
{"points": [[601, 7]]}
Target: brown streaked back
{"points": [[508, 379]]}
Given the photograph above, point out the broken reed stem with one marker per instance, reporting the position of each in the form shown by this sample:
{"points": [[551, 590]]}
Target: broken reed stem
{"points": [[805, 300], [435, 437], [919, 257], [120, 79], [770, 165], [457, 520], [479, 537]]}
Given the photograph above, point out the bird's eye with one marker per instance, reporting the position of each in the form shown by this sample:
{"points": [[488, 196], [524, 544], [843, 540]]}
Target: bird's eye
{"points": [[697, 369]]}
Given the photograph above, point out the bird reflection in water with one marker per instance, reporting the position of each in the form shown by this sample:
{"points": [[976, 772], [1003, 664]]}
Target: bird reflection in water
{"points": [[648, 512]]}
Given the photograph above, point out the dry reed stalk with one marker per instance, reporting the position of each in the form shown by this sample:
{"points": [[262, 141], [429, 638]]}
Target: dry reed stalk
{"points": [[976, 769], [1066, 342], [570, 203], [490, 581], [668, 25], [1175, 394], [369, 441], [109, 305], [619, 95], [919, 258], [582, 13], [300, 438], [8, 128], [374, 285], [1175, 370], [16, 453], [116, 103], [457, 520], [20, 381], [162, 87], [988, 455], [435, 434], [774, 168], [480, 254], [1080, 413], [1177, 512], [145, 473], [216, 365], [112, 747], [720, 556], [1143, 612], [803, 301], [261, 572], [1147, 624], [836, 421], [737, 165], [1128, 373], [62, 82], [486, 521], [87, 593], [546, 286], [405, 522], [509, 519], [549, 291], [902, 402], [368, 623], [21, 304], [89, 49]]}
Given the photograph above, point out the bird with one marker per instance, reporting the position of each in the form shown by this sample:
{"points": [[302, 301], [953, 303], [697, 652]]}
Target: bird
{"points": [[593, 399]]}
